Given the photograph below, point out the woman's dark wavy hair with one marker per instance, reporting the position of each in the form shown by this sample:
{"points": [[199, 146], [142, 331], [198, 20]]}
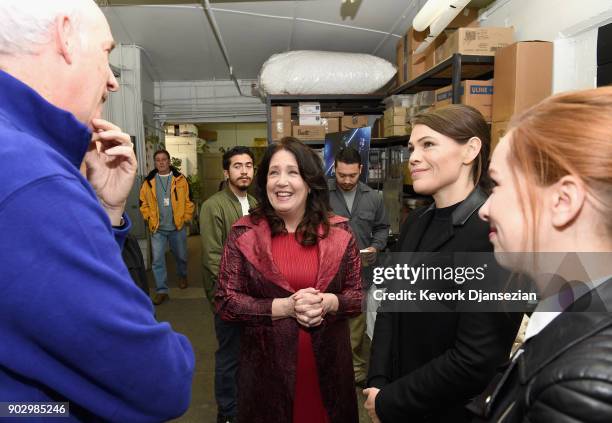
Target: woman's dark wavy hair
{"points": [[318, 209]]}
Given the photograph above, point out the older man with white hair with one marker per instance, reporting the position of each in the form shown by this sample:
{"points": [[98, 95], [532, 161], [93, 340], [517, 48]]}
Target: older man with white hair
{"points": [[74, 327]]}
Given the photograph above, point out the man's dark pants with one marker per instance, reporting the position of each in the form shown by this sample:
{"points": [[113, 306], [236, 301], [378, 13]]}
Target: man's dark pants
{"points": [[226, 366]]}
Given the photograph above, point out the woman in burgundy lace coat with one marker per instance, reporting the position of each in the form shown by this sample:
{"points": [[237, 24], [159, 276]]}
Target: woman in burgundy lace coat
{"points": [[291, 273]]}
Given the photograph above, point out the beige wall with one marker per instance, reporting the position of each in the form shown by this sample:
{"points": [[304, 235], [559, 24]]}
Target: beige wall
{"points": [[184, 148], [232, 134]]}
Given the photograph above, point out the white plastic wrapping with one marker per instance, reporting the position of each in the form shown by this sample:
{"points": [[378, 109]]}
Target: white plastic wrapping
{"points": [[324, 72]]}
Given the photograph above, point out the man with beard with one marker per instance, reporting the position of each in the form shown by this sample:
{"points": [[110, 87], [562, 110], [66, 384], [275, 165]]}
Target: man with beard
{"points": [[166, 206], [367, 216], [217, 216]]}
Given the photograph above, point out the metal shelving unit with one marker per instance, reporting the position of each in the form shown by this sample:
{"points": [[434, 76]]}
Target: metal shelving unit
{"points": [[450, 72], [350, 104]]}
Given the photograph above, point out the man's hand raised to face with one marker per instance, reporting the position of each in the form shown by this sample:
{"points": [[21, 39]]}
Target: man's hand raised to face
{"points": [[111, 167]]}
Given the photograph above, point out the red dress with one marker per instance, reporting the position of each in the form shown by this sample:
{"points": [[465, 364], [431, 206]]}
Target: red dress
{"points": [[299, 265]]}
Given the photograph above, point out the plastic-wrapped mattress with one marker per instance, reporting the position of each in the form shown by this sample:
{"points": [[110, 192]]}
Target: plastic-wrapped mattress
{"points": [[324, 72]]}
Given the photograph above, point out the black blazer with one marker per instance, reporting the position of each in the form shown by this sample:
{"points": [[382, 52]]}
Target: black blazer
{"points": [[563, 374], [448, 358]]}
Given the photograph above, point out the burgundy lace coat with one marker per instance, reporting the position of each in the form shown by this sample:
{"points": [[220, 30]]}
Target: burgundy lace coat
{"points": [[248, 282]]}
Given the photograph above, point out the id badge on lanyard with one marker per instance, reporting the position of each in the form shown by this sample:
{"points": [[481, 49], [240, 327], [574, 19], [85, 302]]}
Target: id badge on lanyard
{"points": [[166, 202]]}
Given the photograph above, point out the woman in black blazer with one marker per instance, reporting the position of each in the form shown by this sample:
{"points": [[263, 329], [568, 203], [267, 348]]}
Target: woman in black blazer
{"points": [[425, 367]]}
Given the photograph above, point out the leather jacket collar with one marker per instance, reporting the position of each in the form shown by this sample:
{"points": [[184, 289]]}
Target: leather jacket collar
{"points": [[467, 207]]}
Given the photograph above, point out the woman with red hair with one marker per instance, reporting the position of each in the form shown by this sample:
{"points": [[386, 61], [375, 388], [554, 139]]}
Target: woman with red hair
{"points": [[551, 203]]}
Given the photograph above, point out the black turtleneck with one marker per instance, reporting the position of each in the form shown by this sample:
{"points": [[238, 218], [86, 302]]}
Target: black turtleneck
{"points": [[439, 223]]}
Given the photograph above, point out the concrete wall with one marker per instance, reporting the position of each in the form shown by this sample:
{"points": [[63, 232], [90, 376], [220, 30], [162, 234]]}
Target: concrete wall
{"points": [[570, 24], [125, 109]]}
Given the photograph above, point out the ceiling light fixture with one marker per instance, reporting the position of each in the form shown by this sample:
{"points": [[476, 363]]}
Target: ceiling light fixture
{"points": [[436, 14]]}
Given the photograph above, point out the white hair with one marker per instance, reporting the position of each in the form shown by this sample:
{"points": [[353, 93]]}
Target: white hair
{"points": [[27, 24]]}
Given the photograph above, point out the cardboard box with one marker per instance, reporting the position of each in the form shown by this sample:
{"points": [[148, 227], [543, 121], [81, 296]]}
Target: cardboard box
{"points": [[378, 129], [395, 130], [281, 122], [419, 63], [331, 125], [309, 133], [352, 122], [332, 114], [395, 116], [478, 94], [307, 120], [397, 110], [498, 130], [474, 41], [310, 108], [523, 77], [409, 66]]}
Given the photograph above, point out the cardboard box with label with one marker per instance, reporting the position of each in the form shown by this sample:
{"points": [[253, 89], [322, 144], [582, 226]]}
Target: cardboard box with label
{"points": [[331, 125], [281, 122], [309, 108], [478, 94], [498, 130], [308, 120], [309, 133], [352, 122], [523, 77], [474, 41]]}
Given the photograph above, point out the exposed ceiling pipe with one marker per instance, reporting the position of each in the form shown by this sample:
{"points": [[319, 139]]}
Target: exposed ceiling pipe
{"points": [[263, 15], [213, 24]]}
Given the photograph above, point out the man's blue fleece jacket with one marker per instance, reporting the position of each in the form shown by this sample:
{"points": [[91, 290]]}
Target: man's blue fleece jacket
{"points": [[73, 326]]}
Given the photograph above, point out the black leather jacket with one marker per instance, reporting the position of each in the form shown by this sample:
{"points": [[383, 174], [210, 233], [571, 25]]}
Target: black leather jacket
{"points": [[563, 374]]}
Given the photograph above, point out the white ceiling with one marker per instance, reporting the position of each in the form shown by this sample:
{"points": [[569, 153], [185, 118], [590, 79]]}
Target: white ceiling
{"points": [[180, 43]]}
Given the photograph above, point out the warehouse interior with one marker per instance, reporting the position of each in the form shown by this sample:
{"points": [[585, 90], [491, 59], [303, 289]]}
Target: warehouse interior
{"points": [[189, 75]]}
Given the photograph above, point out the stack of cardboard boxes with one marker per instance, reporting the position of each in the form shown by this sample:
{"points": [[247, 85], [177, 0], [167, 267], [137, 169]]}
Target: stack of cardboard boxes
{"points": [[473, 41], [309, 127], [462, 35], [400, 109], [394, 122], [411, 65], [522, 78], [312, 124]]}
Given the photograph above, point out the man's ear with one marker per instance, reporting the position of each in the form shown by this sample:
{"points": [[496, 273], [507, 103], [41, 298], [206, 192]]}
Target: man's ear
{"points": [[226, 174], [568, 198], [65, 37], [472, 149]]}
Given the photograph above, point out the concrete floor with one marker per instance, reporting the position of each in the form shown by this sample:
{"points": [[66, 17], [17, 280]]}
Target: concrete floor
{"points": [[189, 313]]}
